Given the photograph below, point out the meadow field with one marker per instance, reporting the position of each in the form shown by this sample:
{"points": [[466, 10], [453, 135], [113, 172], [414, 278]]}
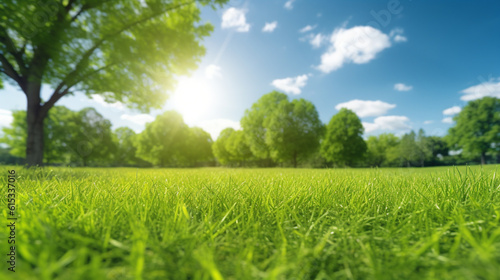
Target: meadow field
{"points": [[215, 223]]}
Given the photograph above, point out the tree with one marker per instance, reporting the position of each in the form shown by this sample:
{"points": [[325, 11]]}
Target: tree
{"points": [[198, 148], [438, 146], [379, 149], [408, 150], [162, 141], [254, 127], [80, 137], [90, 138], [477, 128], [126, 149], [168, 141], [56, 136], [343, 143], [238, 148], [128, 51], [424, 152], [219, 147], [293, 131]]}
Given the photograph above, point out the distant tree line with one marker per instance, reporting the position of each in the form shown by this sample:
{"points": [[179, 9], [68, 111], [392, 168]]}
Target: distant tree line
{"points": [[275, 131], [85, 138]]}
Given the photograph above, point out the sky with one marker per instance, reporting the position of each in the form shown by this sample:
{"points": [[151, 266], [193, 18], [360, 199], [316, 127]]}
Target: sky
{"points": [[399, 65]]}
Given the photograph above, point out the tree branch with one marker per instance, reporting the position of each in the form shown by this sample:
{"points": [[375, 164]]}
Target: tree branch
{"points": [[9, 70], [90, 51], [58, 93], [11, 48]]}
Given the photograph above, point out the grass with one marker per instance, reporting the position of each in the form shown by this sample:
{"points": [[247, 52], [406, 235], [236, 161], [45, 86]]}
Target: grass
{"points": [[124, 223]]}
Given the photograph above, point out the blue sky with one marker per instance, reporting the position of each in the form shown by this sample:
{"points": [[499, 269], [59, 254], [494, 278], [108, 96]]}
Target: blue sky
{"points": [[400, 65]]}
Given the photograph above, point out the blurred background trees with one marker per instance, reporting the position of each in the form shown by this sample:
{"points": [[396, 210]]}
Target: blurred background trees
{"points": [[343, 144], [275, 132]]}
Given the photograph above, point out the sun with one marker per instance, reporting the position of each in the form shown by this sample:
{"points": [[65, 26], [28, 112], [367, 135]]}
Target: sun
{"points": [[193, 99]]}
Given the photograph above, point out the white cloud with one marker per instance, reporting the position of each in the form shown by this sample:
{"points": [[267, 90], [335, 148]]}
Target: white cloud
{"points": [[291, 85], [289, 4], [214, 127], [269, 27], [235, 18], [388, 123], [402, 87], [213, 71], [366, 108], [452, 111], [487, 88], [400, 39], [359, 44], [447, 120], [428, 122], [6, 118], [140, 119], [101, 101], [317, 40], [307, 28], [397, 35]]}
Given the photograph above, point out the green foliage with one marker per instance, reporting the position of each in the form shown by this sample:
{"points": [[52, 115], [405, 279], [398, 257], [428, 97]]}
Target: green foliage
{"points": [[90, 138], [254, 126], [15, 135], [380, 149], [125, 155], [121, 223], [408, 149], [168, 141], [83, 137], [231, 148], [131, 51], [198, 147], [293, 131], [283, 131], [238, 148], [477, 129], [343, 143], [219, 147], [128, 51]]}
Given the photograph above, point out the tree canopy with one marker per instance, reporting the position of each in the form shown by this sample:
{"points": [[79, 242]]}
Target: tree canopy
{"points": [[168, 141], [255, 120], [125, 50], [477, 129], [293, 131], [343, 143], [83, 136]]}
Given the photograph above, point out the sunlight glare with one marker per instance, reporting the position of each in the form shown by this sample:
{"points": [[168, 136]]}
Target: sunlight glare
{"points": [[193, 99]]}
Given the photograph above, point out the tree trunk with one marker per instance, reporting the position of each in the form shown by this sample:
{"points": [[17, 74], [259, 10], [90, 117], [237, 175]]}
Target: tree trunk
{"points": [[483, 158], [295, 160], [34, 143]]}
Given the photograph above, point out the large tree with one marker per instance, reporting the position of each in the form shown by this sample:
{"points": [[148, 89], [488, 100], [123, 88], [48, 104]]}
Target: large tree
{"points": [[293, 131], [163, 140], [254, 127], [477, 129], [343, 143], [56, 136], [127, 50], [79, 137]]}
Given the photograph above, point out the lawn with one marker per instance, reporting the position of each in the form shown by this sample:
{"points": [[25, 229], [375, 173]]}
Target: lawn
{"points": [[126, 223]]}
